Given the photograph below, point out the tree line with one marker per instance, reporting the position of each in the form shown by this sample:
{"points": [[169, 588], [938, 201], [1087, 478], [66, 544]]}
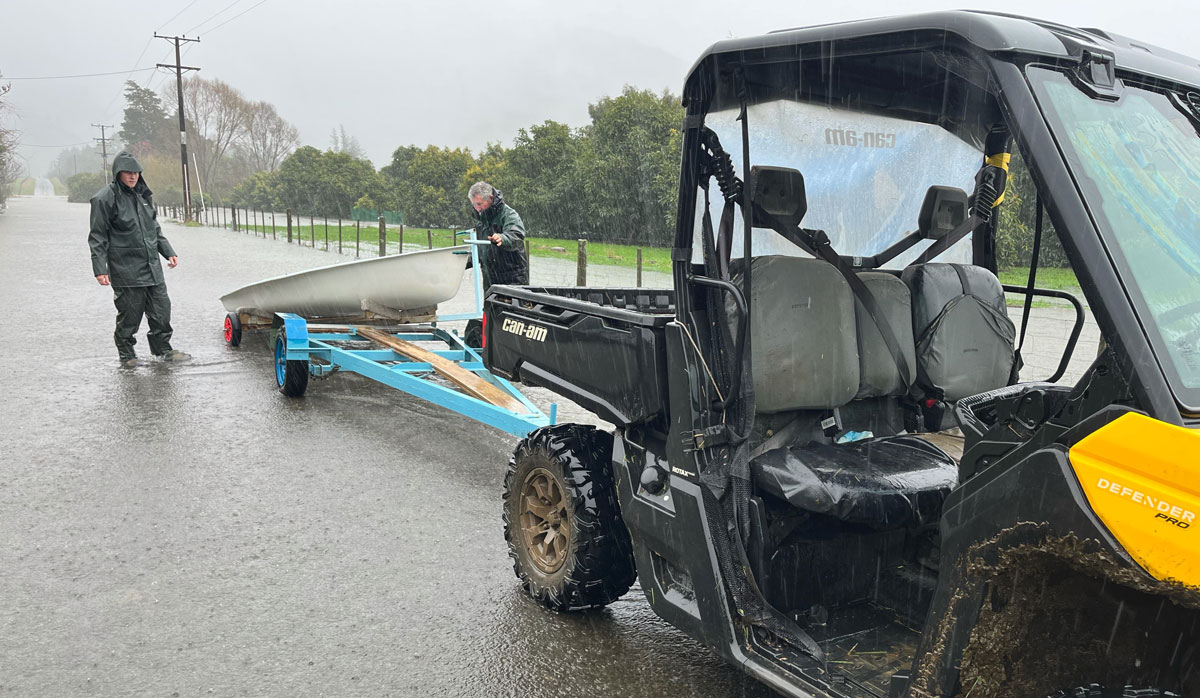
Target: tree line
{"points": [[229, 136], [611, 180]]}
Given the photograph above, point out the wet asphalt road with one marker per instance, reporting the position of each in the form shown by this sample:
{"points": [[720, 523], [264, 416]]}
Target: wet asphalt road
{"points": [[185, 530]]}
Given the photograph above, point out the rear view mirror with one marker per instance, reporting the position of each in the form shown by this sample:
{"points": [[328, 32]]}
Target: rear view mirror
{"points": [[943, 210], [779, 192]]}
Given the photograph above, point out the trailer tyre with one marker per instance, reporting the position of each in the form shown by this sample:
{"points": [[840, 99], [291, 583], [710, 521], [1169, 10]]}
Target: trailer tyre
{"points": [[233, 330], [569, 546], [290, 375]]}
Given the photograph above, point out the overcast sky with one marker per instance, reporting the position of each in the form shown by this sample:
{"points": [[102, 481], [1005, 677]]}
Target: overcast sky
{"points": [[443, 73]]}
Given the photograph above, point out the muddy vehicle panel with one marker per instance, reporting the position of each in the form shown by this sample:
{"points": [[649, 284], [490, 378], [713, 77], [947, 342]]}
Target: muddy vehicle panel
{"points": [[825, 465]]}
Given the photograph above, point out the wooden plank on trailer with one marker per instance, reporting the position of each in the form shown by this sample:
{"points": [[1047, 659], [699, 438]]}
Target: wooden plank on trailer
{"points": [[468, 381]]}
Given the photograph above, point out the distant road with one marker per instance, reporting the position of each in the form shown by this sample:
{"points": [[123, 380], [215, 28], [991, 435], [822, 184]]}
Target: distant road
{"points": [[43, 187]]}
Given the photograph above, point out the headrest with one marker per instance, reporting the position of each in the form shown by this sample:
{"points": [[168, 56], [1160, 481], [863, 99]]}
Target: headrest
{"points": [[943, 210]]}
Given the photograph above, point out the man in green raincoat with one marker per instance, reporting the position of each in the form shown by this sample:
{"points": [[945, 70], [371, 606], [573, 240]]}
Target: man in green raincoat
{"points": [[502, 262], [126, 241]]}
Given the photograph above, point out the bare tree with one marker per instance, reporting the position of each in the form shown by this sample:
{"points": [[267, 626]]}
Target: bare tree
{"points": [[268, 138], [10, 167], [342, 142], [217, 117]]}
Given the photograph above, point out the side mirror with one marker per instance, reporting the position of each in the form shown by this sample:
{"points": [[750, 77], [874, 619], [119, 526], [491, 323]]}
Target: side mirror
{"points": [[943, 210], [778, 191]]}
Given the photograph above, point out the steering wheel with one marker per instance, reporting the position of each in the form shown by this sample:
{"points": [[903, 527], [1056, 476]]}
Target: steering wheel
{"points": [[1179, 313]]}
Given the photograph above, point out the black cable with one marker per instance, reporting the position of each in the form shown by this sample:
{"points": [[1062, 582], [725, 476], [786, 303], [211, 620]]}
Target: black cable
{"points": [[185, 9], [212, 17], [82, 75]]}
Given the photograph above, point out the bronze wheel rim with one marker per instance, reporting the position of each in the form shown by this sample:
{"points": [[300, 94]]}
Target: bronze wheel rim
{"points": [[544, 521]]}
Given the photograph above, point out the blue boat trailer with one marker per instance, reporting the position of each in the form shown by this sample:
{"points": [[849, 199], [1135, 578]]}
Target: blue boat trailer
{"points": [[397, 359]]}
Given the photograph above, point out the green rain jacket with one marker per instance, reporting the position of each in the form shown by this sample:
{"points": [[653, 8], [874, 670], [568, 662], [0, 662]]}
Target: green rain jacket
{"points": [[125, 237], [503, 263]]}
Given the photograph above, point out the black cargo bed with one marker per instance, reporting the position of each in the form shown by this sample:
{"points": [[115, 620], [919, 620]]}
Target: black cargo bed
{"points": [[602, 348]]}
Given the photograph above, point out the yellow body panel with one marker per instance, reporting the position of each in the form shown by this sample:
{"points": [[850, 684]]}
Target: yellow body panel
{"points": [[1142, 478]]}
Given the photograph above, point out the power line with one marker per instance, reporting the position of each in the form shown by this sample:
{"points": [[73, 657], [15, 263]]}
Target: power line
{"points": [[185, 9], [67, 145], [103, 143], [82, 75], [135, 62], [179, 68], [210, 31], [212, 17]]}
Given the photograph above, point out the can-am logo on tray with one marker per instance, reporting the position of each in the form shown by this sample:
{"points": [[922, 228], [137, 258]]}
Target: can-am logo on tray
{"points": [[531, 332]]}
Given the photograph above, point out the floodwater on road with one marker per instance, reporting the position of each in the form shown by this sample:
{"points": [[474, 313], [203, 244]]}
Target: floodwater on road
{"points": [[183, 530]]}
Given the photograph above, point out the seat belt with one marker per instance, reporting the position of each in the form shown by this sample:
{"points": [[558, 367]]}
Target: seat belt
{"points": [[990, 183], [1033, 264]]}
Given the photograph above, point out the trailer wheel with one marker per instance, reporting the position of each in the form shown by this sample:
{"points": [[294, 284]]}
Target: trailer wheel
{"points": [[233, 329], [290, 375], [562, 523]]}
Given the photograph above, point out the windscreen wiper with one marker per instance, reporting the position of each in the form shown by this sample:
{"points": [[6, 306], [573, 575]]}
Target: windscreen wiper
{"points": [[1188, 104]]}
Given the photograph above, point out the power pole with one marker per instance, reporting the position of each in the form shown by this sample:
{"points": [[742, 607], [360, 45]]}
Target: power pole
{"points": [[183, 155], [103, 144]]}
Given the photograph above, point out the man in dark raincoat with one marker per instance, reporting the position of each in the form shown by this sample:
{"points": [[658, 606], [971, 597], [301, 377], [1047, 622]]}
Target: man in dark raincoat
{"points": [[126, 241], [503, 261]]}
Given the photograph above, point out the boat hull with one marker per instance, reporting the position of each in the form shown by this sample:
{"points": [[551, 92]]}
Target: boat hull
{"points": [[398, 283]]}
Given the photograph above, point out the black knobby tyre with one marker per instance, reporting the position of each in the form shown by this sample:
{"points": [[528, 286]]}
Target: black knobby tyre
{"points": [[563, 526], [290, 375]]}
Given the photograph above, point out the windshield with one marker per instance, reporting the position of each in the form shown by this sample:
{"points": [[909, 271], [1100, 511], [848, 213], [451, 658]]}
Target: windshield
{"points": [[865, 175], [1137, 161]]}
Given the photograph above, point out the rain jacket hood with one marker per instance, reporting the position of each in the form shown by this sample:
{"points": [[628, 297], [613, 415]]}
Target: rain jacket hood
{"points": [[125, 237], [503, 263], [497, 204], [126, 162]]}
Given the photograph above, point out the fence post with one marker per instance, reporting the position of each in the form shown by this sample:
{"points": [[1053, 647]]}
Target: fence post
{"points": [[234, 218], [430, 234], [639, 268], [581, 264], [327, 232], [339, 234], [401, 238], [273, 235], [382, 237], [357, 236], [312, 231], [289, 223]]}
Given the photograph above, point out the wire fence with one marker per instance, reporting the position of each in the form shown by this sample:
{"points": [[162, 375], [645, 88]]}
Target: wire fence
{"points": [[1050, 325], [566, 263]]}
